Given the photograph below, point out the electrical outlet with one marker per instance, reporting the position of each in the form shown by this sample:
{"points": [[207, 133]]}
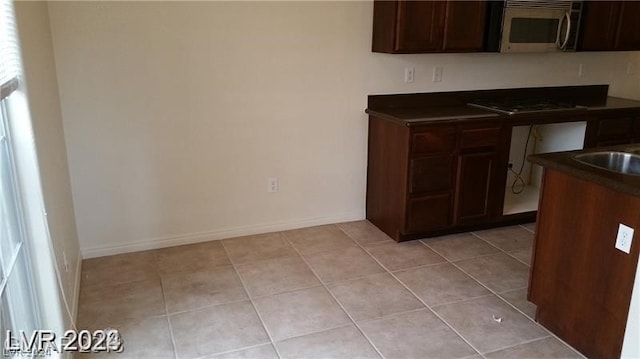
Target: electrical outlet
{"points": [[581, 70], [408, 74], [624, 238], [437, 74], [272, 184], [630, 68]]}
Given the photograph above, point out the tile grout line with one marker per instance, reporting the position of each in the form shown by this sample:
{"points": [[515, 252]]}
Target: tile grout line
{"points": [[326, 287], [389, 270], [447, 260], [244, 286], [338, 282], [482, 284], [334, 297], [387, 316], [419, 299], [285, 291], [512, 290], [209, 356], [436, 314], [529, 230], [500, 249], [486, 287], [492, 291], [461, 300], [518, 259], [293, 246], [210, 306], [503, 300], [496, 293], [166, 310], [494, 245], [304, 334], [517, 345]]}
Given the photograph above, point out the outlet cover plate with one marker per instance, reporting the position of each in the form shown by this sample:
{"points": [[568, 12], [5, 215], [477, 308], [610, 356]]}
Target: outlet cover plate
{"points": [[273, 184], [437, 74], [409, 72], [624, 238]]}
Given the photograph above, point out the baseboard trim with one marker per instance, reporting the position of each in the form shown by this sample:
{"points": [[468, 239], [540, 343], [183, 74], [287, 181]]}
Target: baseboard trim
{"points": [[162, 242], [76, 291]]}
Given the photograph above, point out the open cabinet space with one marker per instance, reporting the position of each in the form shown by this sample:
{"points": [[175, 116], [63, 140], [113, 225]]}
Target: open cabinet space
{"points": [[524, 178]]}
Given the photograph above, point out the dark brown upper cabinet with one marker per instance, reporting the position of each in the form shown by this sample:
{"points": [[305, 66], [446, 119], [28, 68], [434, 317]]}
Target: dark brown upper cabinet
{"points": [[610, 26], [405, 26]]}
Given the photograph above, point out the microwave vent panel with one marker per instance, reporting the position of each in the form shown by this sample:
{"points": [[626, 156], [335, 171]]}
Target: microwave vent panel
{"points": [[540, 4]]}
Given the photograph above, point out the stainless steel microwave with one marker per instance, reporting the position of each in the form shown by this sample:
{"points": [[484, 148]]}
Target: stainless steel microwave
{"points": [[540, 26]]}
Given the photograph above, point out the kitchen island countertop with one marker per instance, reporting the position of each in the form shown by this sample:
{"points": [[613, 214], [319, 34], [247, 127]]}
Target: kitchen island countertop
{"points": [[565, 162]]}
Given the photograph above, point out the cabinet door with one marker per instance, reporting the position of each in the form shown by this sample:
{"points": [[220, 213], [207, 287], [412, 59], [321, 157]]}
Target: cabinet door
{"points": [[628, 32], [474, 187], [419, 27], [599, 25], [429, 174], [429, 213], [464, 26], [610, 131]]}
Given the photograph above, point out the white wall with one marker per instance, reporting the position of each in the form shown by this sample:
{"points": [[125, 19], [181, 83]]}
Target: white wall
{"points": [[44, 106], [176, 113], [631, 344]]}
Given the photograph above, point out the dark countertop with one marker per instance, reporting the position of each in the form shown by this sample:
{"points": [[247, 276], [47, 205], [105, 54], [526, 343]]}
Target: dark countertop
{"points": [[564, 162], [412, 116], [425, 108], [614, 103]]}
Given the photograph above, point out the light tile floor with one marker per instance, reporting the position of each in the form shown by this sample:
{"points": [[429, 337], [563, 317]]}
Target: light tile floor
{"points": [[334, 291]]}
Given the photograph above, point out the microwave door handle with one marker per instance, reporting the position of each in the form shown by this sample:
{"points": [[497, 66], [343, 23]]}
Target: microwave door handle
{"points": [[562, 46]]}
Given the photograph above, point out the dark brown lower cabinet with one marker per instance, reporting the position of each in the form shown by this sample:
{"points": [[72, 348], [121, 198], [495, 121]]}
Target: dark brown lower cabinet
{"points": [[432, 178], [428, 174], [429, 213], [473, 186], [613, 129], [479, 178]]}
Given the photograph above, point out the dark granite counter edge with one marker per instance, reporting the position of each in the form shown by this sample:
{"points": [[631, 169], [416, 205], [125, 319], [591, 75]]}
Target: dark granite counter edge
{"points": [[428, 115], [448, 107], [564, 162], [432, 118], [588, 95]]}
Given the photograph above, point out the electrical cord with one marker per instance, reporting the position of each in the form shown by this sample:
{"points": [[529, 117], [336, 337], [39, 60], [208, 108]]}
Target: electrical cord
{"points": [[519, 181]]}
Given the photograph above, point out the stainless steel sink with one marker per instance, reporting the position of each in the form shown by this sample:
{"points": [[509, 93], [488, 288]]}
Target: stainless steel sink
{"points": [[620, 162]]}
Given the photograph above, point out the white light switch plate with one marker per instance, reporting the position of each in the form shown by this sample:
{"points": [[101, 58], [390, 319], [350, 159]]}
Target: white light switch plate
{"points": [[624, 238]]}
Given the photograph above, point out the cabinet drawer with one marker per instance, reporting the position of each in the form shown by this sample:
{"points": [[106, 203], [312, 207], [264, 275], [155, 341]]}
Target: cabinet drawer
{"points": [[471, 138], [429, 213], [431, 174], [433, 140], [615, 127]]}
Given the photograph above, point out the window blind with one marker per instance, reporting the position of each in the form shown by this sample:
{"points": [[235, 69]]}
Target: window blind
{"points": [[9, 50]]}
